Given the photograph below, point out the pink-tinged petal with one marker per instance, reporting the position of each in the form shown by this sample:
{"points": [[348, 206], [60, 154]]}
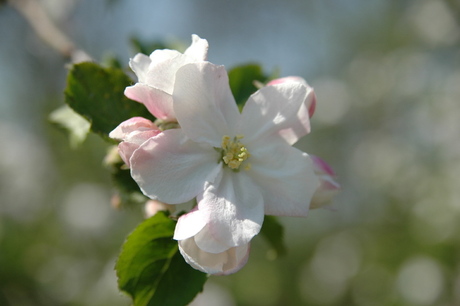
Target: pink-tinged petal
{"points": [[328, 188], [198, 50], [189, 224], [203, 103], [173, 169], [122, 131], [234, 209], [158, 102], [133, 132], [325, 193], [310, 102], [321, 167], [132, 143], [285, 176], [277, 109], [227, 262], [288, 79]]}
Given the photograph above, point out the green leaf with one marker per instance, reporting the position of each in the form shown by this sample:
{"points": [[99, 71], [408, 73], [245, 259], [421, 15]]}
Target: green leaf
{"points": [[77, 126], [242, 79], [96, 93], [152, 271], [273, 232]]}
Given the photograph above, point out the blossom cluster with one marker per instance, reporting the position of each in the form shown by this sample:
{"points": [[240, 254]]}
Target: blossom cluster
{"points": [[239, 166]]}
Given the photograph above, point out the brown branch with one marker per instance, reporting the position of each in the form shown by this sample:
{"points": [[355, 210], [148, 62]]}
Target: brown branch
{"points": [[40, 22]]}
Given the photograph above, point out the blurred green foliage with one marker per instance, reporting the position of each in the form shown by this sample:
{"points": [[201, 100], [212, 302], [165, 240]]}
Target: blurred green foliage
{"points": [[386, 120]]}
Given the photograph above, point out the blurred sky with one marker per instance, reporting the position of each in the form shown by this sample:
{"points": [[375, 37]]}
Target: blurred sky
{"points": [[298, 37]]}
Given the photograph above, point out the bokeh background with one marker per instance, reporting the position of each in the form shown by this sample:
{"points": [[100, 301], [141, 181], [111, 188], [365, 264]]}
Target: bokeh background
{"points": [[387, 77]]}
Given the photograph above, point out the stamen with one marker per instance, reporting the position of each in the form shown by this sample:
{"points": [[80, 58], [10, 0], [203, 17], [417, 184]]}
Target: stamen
{"points": [[234, 153]]}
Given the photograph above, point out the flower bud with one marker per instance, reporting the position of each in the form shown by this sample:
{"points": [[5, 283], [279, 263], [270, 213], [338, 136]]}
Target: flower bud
{"points": [[133, 132]]}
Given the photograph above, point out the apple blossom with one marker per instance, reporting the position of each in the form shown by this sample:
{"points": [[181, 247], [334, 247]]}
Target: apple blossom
{"points": [[328, 187], [239, 166], [156, 74]]}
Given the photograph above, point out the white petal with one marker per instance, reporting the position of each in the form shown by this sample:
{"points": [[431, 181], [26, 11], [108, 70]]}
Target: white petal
{"points": [[227, 262], [159, 69], [199, 48], [158, 102], [285, 177], [278, 109], [173, 169], [203, 103], [163, 68], [140, 65], [189, 224], [235, 211]]}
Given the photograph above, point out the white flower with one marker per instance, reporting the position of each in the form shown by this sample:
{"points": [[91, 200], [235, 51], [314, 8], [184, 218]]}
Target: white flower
{"points": [[239, 166], [156, 74]]}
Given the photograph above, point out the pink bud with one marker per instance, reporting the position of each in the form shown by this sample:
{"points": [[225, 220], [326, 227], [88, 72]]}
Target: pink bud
{"points": [[133, 133]]}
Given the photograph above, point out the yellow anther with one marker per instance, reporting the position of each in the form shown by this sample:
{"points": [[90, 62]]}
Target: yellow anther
{"points": [[234, 153], [225, 141]]}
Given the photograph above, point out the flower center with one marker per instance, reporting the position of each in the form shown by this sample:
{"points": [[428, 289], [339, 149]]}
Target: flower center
{"points": [[234, 153]]}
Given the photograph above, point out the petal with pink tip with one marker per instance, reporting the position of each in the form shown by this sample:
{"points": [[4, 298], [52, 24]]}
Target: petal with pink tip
{"points": [[133, 132], [158, 102], [310, 102], [277, 109], [132, 142], [328, 188], [124, 129], [173, 169]]}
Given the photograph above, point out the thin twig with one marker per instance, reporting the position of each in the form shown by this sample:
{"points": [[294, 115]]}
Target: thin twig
{"points": [[46, 30]]}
